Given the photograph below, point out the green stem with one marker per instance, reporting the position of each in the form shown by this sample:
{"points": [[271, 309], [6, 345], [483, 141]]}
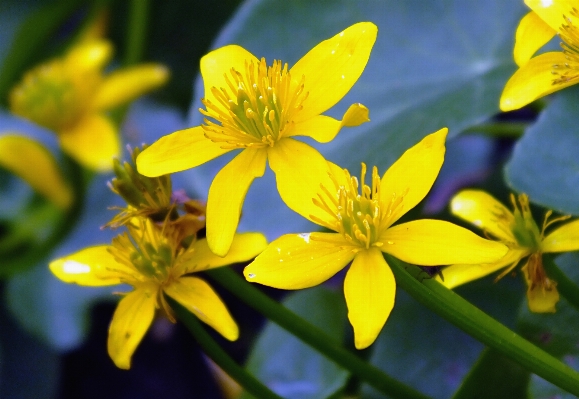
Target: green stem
{"points": [[499, 129], [136, 32], [219, 356], [311, 335], [482, 327], [566, 287]]}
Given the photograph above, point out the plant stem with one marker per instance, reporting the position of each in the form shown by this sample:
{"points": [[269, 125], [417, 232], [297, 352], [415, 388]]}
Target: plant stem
{"points": [[566, 287], [482, 327], [219, 356], [136, 32], [499, 129], [311, 335]]}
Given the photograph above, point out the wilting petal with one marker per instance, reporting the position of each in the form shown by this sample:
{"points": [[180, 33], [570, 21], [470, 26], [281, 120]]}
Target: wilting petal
{"points": [[562, 239], [456, 275], [130, 322], [181, 150], [93, 142], [413, 174], [324, 128], [296, 261], [333, 66], [127, 84], [35, 164], [370, 289], [89, 56], [485, 212], [93, 266], [532, 81], [532, 34], [200, 299], [299, 171], [540, 299], [435, 242], [244, 247], [218, 64], [552, 11], [226, 196]]}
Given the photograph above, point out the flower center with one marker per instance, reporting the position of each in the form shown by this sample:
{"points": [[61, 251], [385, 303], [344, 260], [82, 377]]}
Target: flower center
{"points": [[357, 210], [524, 228], [256, 109], [569, 33]]}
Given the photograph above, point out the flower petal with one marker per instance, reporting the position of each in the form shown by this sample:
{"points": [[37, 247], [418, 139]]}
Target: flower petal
{"points": [[181, 150], [296, 261], [93, 142], [456, 275], [199, 298], [414, 173], [539, 299], [551, 12], [436, 242], [127, 84], [485, 212], [130, 322], [562, 239], [333, 66], [89, 55], [245, 246], [226, 196], [532, 81], [218, 63], [324, 128], [370, 290], [93, 266], [532, 34], [35, 164], [299, 171]]}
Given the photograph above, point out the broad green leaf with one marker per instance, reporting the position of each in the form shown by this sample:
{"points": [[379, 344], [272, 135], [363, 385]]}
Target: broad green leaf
{"points": [[544, 163], [434, 64], [288, 366]]}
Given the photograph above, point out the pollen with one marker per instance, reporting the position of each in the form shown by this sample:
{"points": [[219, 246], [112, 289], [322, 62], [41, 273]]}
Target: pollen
{"points": [[569, 34], [256, 109]]}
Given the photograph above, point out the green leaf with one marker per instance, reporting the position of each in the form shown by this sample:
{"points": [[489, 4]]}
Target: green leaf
{"points": [[541, 389], [290, 367], [544, 163]]}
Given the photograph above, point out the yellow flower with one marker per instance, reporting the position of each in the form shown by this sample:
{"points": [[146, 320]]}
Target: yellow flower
{"points": [[70, 95], [155, 266], [548, 72], [521, 234], [260, 109], [363, 215]]}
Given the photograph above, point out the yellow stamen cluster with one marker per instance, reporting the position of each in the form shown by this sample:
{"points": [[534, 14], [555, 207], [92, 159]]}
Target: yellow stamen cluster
{"points": [[570, 36], [256, 108]]}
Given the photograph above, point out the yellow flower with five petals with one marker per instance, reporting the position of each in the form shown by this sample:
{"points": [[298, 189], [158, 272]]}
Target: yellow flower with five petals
{"points": [[551, 71], [154, 263], [521, 234], [261, 109], [69, 95], [362, 217]]}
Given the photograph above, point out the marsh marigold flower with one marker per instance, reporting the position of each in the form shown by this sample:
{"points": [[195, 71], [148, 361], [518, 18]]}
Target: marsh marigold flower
{"points": [[154, 263], [260, 109], [521, 234], [551, 71], [362, 217], [70, 95]]}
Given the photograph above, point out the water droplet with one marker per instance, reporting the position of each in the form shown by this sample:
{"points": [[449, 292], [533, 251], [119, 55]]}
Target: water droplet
{"points": [[390, 242], [305, 237], [251, 275]]}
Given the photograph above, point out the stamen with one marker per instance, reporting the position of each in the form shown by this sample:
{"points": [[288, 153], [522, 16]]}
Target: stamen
{"points": [[569, 35]]}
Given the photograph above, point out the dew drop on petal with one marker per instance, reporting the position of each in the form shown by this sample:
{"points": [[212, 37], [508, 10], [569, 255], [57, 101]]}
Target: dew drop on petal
{"points": [[74, 267], [477, 223], [305, 237], [251, 275]]}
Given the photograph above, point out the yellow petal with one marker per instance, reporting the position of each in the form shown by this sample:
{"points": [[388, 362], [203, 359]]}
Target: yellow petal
{"points": [[245, 246], [324, 128], [552, 11], [333, 66], [485, 212], [532, 34], [130, 322], [299, 171], [414, 173], [562, 239], [218, 63], [181, 150], [93, 266], [370, 289], [226, 196], [436, 242], [32, 162], [200, 299], [532, 81], [456, 275], [539, 299], [89, 55], [127, 84], [93, 142], [296, 261]]}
